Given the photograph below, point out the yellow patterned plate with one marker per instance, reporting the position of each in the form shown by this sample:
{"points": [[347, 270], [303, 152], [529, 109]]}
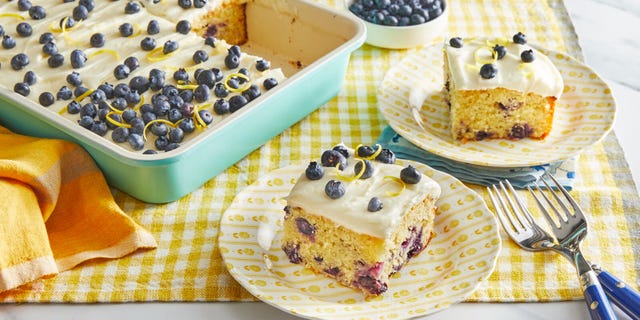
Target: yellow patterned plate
{"points": [[411, 92], [461, 255]]}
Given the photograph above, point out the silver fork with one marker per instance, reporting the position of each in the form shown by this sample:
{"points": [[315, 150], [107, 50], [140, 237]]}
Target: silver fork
{"points": [[517, 221]]}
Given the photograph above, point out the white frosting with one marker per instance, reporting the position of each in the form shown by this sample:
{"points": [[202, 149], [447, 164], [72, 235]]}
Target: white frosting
{"points": [[539, 76], [350, 211], [106, 18]]}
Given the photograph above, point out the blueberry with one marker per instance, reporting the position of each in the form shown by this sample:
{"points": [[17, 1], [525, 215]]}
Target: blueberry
{"points": [[232, 61], [139, 84], [8, 42], [372, 285], [132, 7], [314, 171], [251, 93], [174, 115], [217, 73], [221, 106], [390, 21], [187, 125], [37, 13], [89, 4], [410, 175], [263, 65], [78, 58], [199, 3], [121, 90], [97, 40], [55, 60], [133, 98], [153, 27], [89, 110], [335, 189], [206, 77], [169, 46], [67, 23], [455, 42], [520, 131], [149, 116], [237, 102], [159, 129], [46, 37], [183, 26], [19, 61], [374, 205], [185, 4], [201, 93], [120, 134], [200, 56], [97, 95], [293, 252], [386, 156], [148, 44], [342, 149], [171, 146], [235, 50], [121, 72], [161, 107], [73, 107], [107, 89], [181, 75], [368, 169], [210, 41], [80, 13], [24, 29], [64, 93], [49, 48], [519, 38], [74, 79], [305, 227], [79, 91], [156, 79], [132, 62], [137, 126], [333, 158], [46, 99], [488, 71], [86, 122], [30, 78], [24, 5], [22, 89], [176, 135], [527, 56], [128, 115], [136, 141], [186, 95], [170, 91], [500, 51], [220, 90], [161, 143], [416, 19], [365, 151], [126, 29]]}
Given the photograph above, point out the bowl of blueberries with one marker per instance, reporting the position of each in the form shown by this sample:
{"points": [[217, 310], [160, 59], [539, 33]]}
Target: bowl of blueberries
{"points": [[400, 24]]}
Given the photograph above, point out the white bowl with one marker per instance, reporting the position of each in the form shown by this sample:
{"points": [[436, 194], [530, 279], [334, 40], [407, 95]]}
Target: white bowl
{"points": [[403, 37]]}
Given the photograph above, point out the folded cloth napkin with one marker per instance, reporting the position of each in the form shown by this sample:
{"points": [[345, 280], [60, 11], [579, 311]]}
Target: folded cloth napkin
{"points": [[521, 177], [56, 211]]}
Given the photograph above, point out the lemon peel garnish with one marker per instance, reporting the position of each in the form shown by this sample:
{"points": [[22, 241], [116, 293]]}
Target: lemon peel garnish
{"points": [[246, 85], [375, 154], [84, 95], [472, 67], [137, 29], [114, 109], [480, 60], [116, 123], [105, 51], [144, 131], [399, 181], [157, 54], [12, 15], [355, 176], [196, 114], [186, 86]]}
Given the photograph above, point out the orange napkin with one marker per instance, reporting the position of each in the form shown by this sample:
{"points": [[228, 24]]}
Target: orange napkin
{"points": [[56, 211]]}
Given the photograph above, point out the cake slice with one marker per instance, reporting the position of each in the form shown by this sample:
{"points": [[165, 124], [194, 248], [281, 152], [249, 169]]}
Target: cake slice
{"points": [[359, 217], [499, 89]]}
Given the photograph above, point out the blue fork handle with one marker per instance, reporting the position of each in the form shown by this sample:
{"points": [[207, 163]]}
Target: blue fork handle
{"points": [[597, 301], [620, 293]]}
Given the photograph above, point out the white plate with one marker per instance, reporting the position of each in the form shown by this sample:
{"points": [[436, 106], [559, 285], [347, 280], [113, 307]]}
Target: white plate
{"points": [[584, 114], [461, 255]]}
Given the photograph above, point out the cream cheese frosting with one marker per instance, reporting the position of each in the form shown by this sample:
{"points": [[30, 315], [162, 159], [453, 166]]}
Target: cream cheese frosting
{"points": [[350, 210], [539, 76], [106, 18]]}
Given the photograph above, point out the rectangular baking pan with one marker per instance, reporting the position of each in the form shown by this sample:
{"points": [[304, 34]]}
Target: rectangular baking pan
{"points": [[310, 42]]}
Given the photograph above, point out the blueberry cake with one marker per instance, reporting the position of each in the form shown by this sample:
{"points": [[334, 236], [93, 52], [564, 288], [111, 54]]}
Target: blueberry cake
{"points": [[499, 89], [147, 74], [358, 217]]}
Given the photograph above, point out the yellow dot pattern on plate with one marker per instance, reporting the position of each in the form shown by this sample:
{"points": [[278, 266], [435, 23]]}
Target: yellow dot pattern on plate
{"points": [[462, 253]]}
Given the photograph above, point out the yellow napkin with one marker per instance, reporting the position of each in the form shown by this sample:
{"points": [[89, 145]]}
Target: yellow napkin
{"points": [[56, 211]]}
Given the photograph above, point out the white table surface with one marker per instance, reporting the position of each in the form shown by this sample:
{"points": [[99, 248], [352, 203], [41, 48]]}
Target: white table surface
{"points": [[609, 32]]}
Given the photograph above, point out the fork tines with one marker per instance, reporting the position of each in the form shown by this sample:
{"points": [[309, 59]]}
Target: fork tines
{"points": [[514, 217]]}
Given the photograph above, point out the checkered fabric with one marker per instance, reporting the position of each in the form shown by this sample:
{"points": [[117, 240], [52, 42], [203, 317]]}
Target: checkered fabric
{"points": [[187, 265]]}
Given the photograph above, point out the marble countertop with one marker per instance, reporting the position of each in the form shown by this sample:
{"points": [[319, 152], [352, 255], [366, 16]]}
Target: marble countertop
{"points": [[610, 38]]}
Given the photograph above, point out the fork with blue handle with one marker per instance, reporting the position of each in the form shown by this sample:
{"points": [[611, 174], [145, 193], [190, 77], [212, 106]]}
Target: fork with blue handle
{"points": [[569, 228]]}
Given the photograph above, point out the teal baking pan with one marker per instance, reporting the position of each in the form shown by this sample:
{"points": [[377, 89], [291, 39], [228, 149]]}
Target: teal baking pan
{"points": [[310, 42]]}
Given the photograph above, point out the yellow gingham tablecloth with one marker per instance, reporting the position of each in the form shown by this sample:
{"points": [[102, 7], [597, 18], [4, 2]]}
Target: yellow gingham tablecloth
{"points": [[187, 265]]}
